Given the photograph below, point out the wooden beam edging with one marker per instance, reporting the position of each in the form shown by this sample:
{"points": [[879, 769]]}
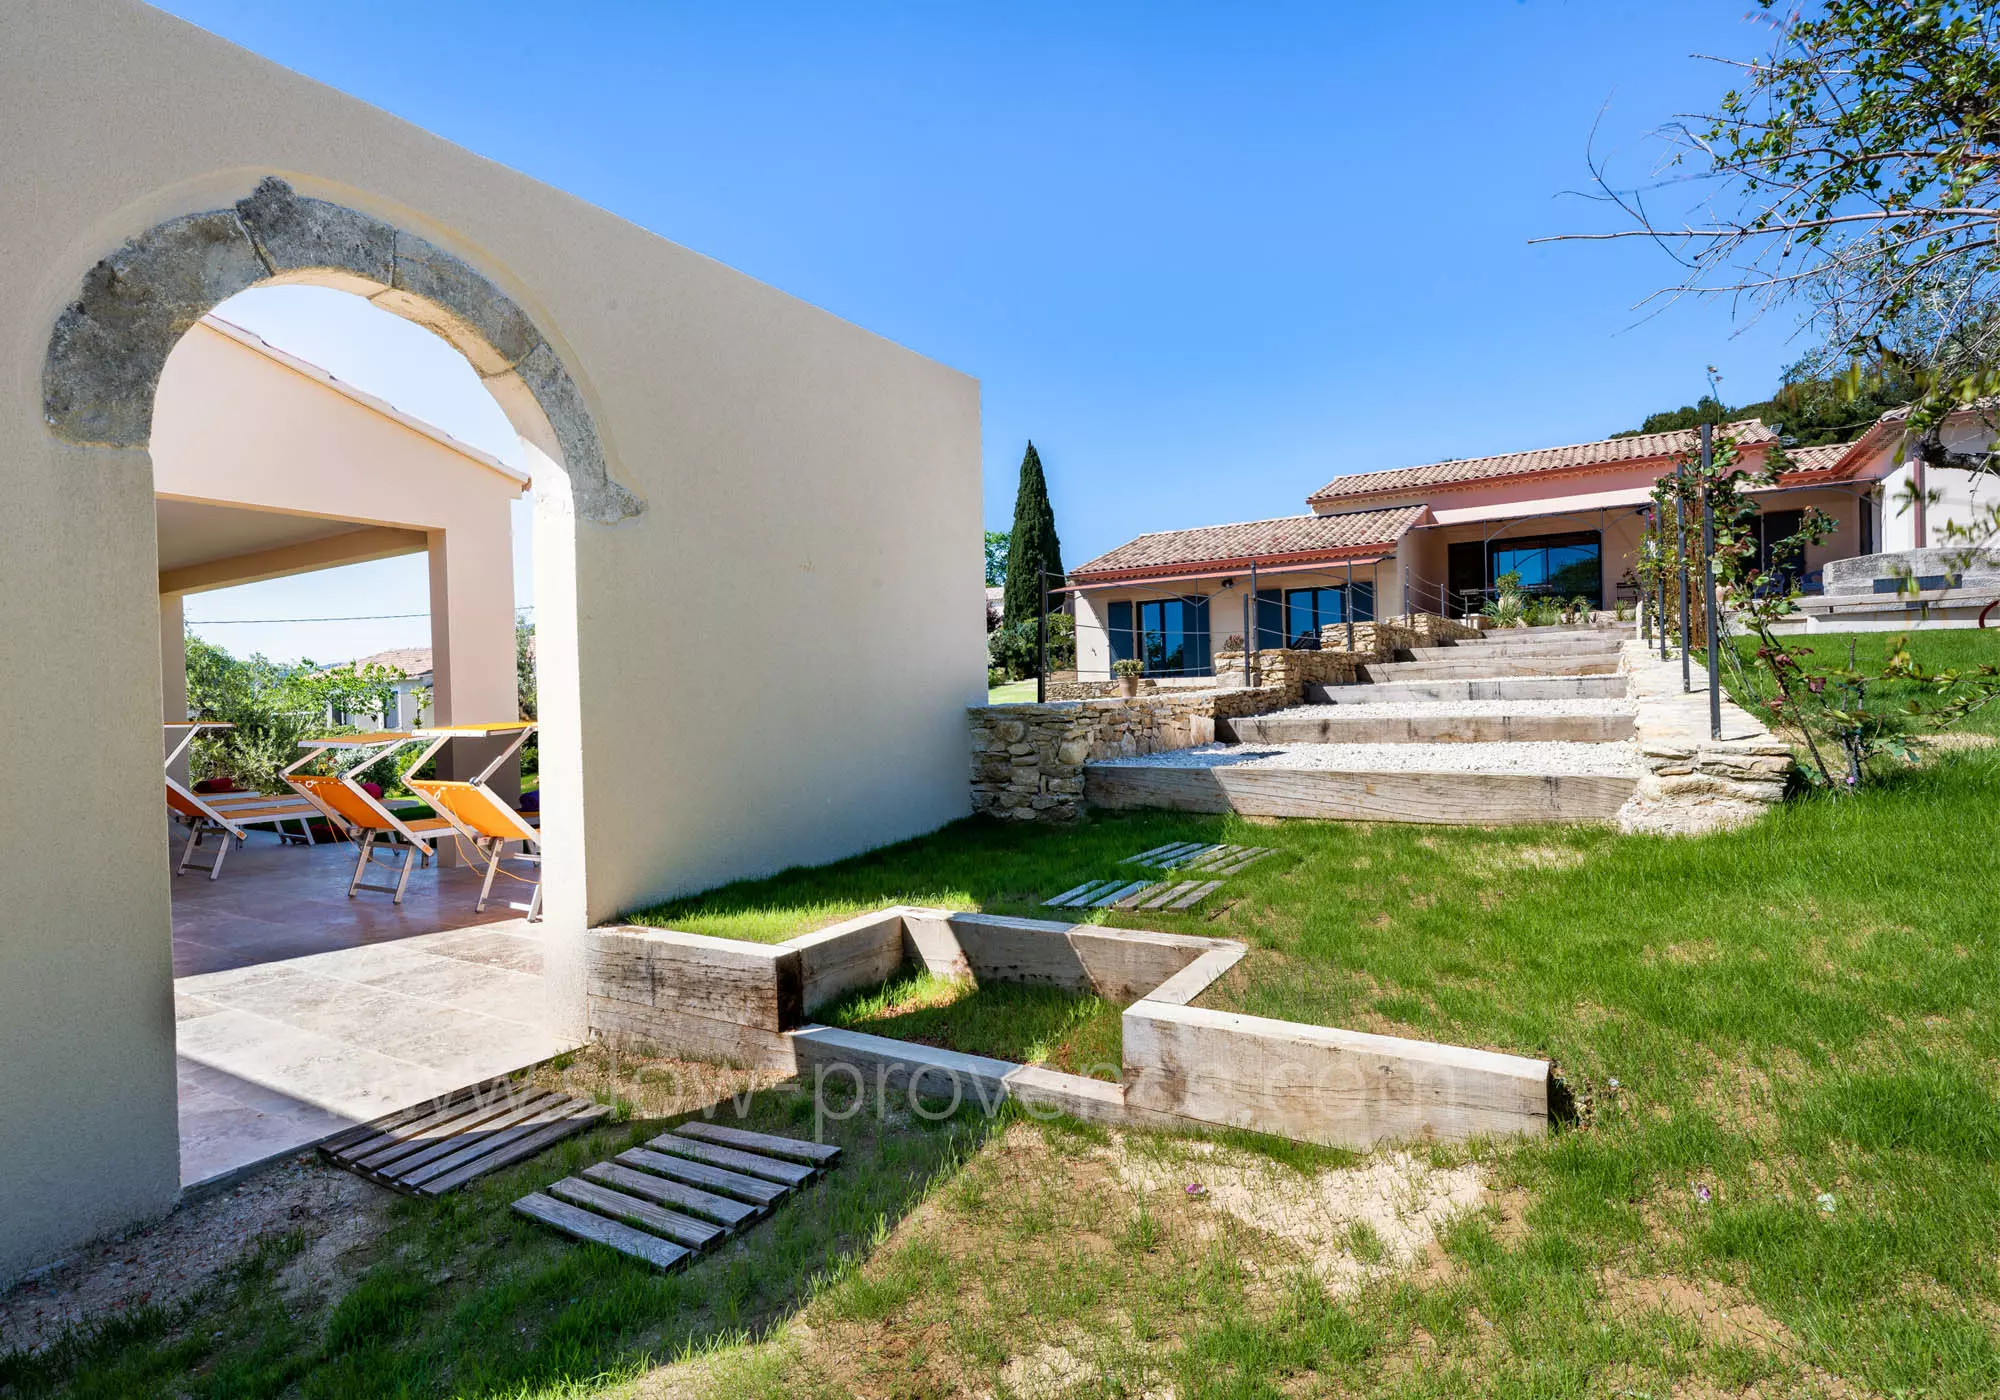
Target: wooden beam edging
{"points": [[1322, 1084], [1184, 1067]]}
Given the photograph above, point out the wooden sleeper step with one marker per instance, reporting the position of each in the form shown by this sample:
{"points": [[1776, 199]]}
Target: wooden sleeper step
{"points": [[762, 1194], [664, 1206], [581, 1224], [818, 1154], [436, 1147], [676, 1195], [683, 1230], [733, 1159]]}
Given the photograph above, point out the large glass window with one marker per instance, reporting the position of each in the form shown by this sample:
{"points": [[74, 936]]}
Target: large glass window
{"points": [[1562, 566], [1294, 616], [1170, 635], [1173, 636]]}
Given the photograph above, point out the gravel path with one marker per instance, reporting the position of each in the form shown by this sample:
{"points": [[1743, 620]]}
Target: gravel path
{"points": [[1619, 759], [1399, 709]]}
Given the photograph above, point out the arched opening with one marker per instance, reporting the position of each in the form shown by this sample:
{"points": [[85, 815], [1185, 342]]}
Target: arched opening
{"points": [[378, 1017]]}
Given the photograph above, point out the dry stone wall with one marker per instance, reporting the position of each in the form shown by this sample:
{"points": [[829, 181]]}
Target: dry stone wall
{"points": [[1693, 782], [1027, 760]]}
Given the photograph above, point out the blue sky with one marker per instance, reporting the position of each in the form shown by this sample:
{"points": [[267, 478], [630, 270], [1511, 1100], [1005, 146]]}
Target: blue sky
{"points": [[1207, 257]]}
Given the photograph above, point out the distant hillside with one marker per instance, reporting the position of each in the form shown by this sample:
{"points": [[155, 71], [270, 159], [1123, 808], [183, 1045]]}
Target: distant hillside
{"points": [[1813, 410]]}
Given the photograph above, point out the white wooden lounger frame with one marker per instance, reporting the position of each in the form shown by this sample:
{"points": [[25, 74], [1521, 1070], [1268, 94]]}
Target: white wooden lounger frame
{"points": [[233, 819], [476, 812], [344, 801]]}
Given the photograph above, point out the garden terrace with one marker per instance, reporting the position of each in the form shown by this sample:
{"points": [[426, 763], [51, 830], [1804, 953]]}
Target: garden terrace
{"points": [[1780, 1180]]}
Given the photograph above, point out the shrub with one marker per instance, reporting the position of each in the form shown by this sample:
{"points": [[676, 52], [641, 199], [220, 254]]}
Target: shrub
{"points": [[1128, 668], [1013, 651]]}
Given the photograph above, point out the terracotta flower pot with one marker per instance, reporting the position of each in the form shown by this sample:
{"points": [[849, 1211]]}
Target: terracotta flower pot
{"points": [[1128, 686]]}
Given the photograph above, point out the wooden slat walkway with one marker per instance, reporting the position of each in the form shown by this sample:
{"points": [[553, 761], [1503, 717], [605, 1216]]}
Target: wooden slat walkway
{"points": [[440, 1146], [1182, 857], [683, 1192]]}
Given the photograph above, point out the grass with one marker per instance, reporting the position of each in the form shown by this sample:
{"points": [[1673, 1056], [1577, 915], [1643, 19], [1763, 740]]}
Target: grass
{"points": [[1784, 1042], [461, 1297], [1011, 693], [1076, 1033], [1956, 649]]}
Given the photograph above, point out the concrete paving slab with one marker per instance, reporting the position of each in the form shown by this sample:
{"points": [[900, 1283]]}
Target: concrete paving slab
{"points": [[301, 1012]]}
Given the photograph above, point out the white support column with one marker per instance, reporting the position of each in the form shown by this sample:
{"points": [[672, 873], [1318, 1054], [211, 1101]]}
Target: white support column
{"points": [[559, 701], [173, 671], [472, 646]]}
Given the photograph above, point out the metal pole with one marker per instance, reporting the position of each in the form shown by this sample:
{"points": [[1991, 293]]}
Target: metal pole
{"points": [[1708, 586], [1681, 557], [1660, 578], [1042, 636], [1248, 599], [1347, 605], [1256, 621]]}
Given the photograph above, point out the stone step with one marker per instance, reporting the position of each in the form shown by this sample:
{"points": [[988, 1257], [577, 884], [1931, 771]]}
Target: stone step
{"points": [[1619, 631], [1505, 799], [1511, 688], [1490, 667], [1443, 727], [1551, 651], [1547, 641]]}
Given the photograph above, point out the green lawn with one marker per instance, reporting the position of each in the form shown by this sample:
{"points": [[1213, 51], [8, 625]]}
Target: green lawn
{"points": [[1012, 693], [1076, 1033], [1959, 649], [1784, 1177]]}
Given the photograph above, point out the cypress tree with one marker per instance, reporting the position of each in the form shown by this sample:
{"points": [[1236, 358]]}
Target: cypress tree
{"points": [[1034, 544]]}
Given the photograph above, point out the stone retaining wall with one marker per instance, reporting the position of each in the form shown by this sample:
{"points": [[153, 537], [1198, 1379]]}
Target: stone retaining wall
{"points": [[1027, 760], [1693, 782]]}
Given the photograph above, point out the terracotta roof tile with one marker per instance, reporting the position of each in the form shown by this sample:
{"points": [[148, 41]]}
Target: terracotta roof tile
{"points": [[411, 661], [1815, 459], [1606, 452], [1289, 537]]}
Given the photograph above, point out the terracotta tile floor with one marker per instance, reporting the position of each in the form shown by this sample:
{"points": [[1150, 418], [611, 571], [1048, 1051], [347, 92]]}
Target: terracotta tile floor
{"points": [[300, 1012]]}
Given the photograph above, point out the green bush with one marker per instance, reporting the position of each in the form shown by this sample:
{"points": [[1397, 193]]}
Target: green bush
{"points": [[1012, 651]]}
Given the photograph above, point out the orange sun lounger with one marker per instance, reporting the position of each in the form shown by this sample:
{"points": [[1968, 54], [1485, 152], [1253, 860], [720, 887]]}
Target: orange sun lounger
{"points": [[476, 812], [233, 819], [353, 808]]}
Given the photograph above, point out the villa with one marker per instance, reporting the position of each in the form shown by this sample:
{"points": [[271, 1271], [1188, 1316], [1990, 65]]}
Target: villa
{"points": [[1436, 538]]}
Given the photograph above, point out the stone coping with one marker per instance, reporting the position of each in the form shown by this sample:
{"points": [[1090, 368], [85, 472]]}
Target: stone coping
{"points": [[1183, 1067]]}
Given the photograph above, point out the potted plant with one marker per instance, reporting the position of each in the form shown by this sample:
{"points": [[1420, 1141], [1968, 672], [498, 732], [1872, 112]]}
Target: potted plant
{"points": [[1128, 673]]}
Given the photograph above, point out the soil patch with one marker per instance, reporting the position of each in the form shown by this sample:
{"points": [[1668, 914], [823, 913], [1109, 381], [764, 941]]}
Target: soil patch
{"points": [[164, 1264]]}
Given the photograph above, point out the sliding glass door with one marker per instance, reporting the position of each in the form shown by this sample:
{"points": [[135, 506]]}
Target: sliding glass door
{"points": [[1170, 635], [1554, 566], [1293, 617]]}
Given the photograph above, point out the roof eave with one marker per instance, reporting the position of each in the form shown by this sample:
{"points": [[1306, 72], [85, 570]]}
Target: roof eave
{"points": [[1222, 568], [1322, 497]]}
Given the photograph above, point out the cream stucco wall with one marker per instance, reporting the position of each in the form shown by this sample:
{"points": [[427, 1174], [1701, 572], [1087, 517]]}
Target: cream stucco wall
{"points": [[770, 661], [1960, 497]]}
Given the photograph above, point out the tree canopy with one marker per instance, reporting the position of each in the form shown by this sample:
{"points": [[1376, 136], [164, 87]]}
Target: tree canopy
{"points": [[997, 544], [1811, 406], [1033, 549], [273, 705], [1853, 170]]}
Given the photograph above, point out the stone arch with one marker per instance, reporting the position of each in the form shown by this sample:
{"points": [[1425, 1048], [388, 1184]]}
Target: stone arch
{"points": [[110, 345]]}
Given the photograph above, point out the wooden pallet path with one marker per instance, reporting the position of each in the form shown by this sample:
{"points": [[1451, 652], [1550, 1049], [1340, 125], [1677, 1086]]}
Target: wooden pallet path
{"points": [[1211, 861], [1194, 855], [683, 1192], [439, 1146]]}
